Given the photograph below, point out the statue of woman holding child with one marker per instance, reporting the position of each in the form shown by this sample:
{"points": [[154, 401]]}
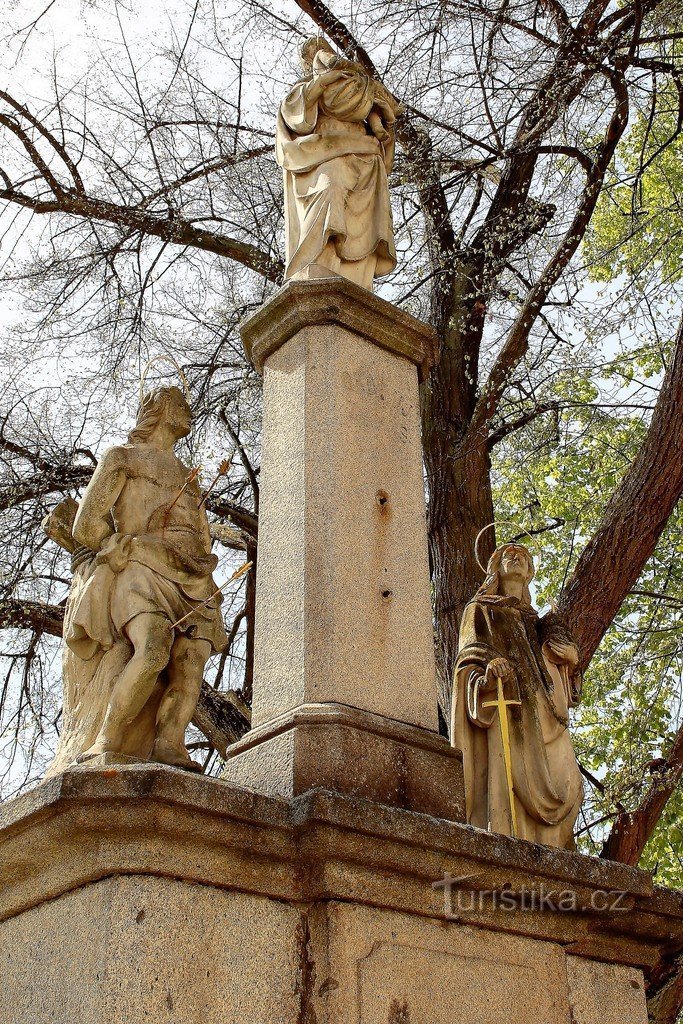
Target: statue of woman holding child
{"points": [[335, 143]]}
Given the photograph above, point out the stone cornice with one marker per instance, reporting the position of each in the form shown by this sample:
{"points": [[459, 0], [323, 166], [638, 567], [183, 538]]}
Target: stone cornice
{"points": [[345, 715], [91, 823], [335, 300]]}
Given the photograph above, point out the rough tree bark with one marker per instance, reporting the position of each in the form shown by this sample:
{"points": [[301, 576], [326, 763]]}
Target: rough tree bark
{"points": [[222, 717], [633, 521], [665, 992], [632, 829]]}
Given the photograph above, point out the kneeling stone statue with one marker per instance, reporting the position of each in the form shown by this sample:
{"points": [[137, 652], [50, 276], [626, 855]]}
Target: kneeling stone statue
{"points": [[143, 614], [516, 677]]}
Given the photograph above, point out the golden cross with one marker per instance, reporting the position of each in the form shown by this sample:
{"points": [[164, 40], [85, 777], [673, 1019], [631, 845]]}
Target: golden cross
{"points": [[502, 705]]}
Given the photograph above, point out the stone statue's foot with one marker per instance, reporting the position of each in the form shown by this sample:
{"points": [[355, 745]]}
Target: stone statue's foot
{"points": [[95, 750], [177, 757]]}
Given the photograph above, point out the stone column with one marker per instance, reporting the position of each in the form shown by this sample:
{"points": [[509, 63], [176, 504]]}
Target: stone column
{"points": [[344, 675]]}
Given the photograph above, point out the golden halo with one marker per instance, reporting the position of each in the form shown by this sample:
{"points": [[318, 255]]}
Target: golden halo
{"points": [[168, 359], [500, 522]]}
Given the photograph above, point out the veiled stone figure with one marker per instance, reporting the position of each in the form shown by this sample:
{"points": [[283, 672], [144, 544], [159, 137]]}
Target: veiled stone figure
{"points": [[143, 614], [335, 143], [503, 638]]}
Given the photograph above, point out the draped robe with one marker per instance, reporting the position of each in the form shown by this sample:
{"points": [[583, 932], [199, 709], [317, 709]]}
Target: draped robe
{"points": [[547, 785], [335, 175], [157, 561]]}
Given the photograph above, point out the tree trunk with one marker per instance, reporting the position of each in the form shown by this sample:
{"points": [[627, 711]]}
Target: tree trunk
{"points": [[458, 469], [665, 991], [632, 829], [460, 504], [458, 473], [633, 521], [222, 717]]}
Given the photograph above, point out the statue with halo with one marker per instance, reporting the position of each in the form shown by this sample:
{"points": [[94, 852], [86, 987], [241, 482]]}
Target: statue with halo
{"points": [[143, 614], [516, 677]]}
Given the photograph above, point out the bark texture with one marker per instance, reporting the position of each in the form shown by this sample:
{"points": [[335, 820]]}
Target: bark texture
{"points": [[634, 519]]}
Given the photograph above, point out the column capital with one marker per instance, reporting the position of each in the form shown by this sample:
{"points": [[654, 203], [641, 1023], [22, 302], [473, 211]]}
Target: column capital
{"points": [[335, 300]]}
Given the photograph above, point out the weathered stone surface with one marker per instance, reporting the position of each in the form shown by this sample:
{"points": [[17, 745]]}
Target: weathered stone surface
{"points": [[605, 993], [333, 300], [335, 143], [334, 747], [343, 607], [511, 706], [326, 900], [138, 948], [343, 611], [399, 969], [109, 759], [91, 823], [143, 613]]}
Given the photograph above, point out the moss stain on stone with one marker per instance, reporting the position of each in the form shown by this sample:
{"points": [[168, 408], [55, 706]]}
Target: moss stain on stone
{"points": [[398, 1012], [305, 980]]}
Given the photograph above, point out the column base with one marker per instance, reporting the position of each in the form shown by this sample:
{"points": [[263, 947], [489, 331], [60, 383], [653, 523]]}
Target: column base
{"points": [[346, 750]]}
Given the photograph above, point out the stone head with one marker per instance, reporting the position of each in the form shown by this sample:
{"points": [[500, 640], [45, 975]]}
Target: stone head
{"points": [[509, 561], [515, 561], [162, 405], [309, 49]]}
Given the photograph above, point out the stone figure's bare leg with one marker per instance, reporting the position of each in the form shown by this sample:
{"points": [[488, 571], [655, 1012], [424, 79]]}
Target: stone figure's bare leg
{"points": [[151, 636], [185, 673]]}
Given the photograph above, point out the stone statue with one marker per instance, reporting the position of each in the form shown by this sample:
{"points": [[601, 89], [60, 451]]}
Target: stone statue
{"points": [[143, 613], [516, 676], [335, 143]]}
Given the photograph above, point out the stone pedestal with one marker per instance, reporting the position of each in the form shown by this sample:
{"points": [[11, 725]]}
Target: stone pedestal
{"points": [[340, 884], [145, 893], [344, 675]]}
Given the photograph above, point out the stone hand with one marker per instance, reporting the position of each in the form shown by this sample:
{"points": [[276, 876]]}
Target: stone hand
{"points": [[563, 652], [115, 552], [499, 668], [388, 110]]}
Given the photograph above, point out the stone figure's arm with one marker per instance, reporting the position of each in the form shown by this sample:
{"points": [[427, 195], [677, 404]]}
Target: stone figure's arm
{"points": [[476, 690], [314, 89], [479, 665], [559, 647], [478, 677], [59, 524], [205, 530], [93, 524], [298, 113]]}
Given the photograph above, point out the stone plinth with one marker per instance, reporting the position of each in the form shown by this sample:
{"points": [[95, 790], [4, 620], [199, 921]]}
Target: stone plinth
{"points": [[145, 893], [335, 747], [343, 612]]}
